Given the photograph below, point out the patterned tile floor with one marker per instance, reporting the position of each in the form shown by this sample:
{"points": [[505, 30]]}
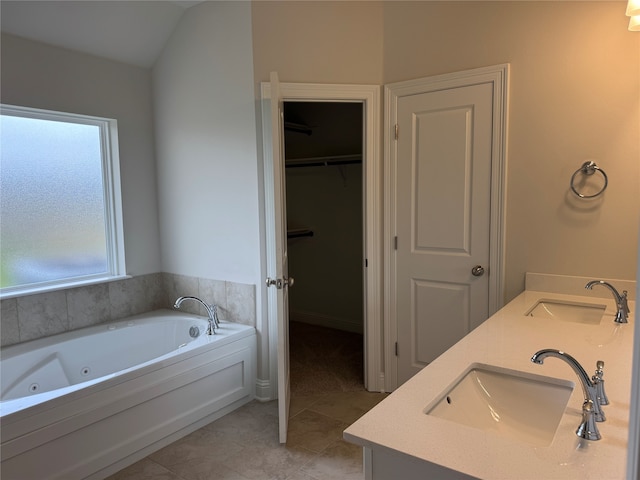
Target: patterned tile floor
{"points": [[327, 394]]}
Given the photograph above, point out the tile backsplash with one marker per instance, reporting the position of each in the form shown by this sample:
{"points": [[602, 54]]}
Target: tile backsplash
{"points": [[41, 315]]}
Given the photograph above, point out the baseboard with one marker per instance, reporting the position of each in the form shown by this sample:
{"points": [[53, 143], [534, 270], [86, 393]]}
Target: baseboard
{"points": [[326, 321], [264, 391]]}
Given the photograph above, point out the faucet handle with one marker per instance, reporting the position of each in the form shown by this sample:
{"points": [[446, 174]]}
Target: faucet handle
{"points": [[214, 309], [625, 303], [598, 381], [588, 428]]}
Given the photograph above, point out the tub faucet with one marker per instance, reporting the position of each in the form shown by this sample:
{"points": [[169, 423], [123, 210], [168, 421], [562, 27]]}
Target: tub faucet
{"points": [[591, 408], [622, 312], [212, 311]]}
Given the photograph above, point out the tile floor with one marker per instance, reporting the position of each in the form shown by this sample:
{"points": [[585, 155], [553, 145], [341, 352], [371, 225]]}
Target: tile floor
{"points": [[327, 394]]}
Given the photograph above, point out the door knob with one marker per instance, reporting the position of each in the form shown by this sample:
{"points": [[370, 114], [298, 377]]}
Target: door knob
{"points": [[280, 283], [477, 271], [276, 282]]}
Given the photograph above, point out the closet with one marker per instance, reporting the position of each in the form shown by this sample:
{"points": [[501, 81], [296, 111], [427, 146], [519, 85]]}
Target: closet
{"points": [[324, 202]]}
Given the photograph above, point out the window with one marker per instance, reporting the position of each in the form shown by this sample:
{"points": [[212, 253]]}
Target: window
{"points": [[60, 210]]}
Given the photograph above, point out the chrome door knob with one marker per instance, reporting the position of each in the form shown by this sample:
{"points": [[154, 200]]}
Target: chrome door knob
{"points": [[477, 271], [279, 282]]}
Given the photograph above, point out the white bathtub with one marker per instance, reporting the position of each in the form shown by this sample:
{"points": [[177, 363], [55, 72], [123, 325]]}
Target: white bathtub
{"points": [[86, 403]]}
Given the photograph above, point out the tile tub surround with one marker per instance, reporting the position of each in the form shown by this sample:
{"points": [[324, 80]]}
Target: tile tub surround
{"points": [[40, 315], [236, 301], [508, 339]]}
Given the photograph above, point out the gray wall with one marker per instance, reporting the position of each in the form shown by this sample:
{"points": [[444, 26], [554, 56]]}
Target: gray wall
{"points": [[208, 172], [40, 76], [574, 95], [206, 146]]}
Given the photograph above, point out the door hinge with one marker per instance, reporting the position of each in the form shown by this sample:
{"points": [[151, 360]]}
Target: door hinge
{"points": [[396, 131], [396, 349], [395, 243], [366, 263]]}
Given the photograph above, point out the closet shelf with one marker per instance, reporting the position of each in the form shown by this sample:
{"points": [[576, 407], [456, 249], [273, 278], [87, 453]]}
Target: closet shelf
{"points": [[323, 161], [298, 128], [299, 232]]}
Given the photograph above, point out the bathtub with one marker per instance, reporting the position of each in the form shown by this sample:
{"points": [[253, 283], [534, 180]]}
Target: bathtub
{"points": [[87, 403]]}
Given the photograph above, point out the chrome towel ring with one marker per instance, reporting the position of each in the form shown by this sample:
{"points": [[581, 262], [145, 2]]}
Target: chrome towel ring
{"points": [[588, 168]]}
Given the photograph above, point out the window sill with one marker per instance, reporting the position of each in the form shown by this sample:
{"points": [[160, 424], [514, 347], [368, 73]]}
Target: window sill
{"points": [[34, 290]]}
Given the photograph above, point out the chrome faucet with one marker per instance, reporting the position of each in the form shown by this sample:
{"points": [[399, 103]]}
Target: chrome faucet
{"points": [[622, 312], [591, 408], [212, 311]]}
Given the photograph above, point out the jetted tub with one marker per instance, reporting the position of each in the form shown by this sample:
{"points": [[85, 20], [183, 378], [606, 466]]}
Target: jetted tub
{"points": [[87, 403]]}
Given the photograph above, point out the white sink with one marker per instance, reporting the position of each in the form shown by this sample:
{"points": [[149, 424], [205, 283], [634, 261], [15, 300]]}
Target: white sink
{"points": [[568, 311], [512, 404]]}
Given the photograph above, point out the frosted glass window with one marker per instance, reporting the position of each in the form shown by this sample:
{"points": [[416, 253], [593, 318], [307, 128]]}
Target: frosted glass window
{"points": [[55, 218]]}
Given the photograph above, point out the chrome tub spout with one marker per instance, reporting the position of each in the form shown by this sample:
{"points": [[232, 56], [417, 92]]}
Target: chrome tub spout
{"points": [[212, 312]]}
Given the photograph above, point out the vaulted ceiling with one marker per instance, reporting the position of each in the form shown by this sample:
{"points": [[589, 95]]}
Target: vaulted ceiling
{"points": [[132, 32]]}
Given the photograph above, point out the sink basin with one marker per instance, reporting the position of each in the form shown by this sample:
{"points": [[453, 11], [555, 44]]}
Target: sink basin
{"points": [[568, 311], [512, 404]]}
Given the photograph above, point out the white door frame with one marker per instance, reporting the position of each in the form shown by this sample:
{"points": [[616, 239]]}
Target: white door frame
{"points": [[369, 95], [498, 76]]}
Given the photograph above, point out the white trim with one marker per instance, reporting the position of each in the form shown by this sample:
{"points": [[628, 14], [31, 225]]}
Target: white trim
{"points": [[369, 95], [112, 195], [269, 212], [263, 390], [633, 447], [367, 463], [498, 76], [84, 282]]}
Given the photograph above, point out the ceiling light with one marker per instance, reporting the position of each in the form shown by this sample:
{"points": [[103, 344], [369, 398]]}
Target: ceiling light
{"points": [[633, 8]]}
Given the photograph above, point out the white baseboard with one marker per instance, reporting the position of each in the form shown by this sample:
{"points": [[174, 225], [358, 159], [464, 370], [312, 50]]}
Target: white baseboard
{"points": [[326, 321], [264, 392]]}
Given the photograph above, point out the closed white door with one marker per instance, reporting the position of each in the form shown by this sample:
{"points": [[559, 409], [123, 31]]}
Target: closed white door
{"points": [[442, 212]]}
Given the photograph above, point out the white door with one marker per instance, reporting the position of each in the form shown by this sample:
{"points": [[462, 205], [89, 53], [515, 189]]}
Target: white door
{"points": [[281, 281], [443, 212]]}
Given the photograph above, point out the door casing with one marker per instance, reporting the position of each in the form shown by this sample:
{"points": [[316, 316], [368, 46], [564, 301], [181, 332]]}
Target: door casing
{"points": [[369, 96], [498, 77], [379, 184]]}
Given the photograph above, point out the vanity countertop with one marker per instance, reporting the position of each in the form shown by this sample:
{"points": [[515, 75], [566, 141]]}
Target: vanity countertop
{"points": [[508, 339]]}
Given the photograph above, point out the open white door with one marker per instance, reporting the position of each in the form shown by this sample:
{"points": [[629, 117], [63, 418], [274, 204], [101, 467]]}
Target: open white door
{"points": [[281, 281]]}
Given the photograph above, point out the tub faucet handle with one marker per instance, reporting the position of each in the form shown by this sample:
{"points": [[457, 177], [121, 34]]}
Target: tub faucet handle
{"points": [[214, 309], [598, 380]]}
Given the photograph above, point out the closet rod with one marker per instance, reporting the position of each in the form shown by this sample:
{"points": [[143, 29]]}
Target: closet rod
{"points": [[298, 128], [323, 161], [299, 233]]}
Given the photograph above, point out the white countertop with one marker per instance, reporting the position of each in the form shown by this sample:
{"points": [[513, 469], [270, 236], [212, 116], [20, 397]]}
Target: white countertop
{"points": [[508, 339]]}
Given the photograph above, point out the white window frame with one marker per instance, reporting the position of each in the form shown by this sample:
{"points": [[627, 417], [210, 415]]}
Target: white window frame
{"points": [[112, 193]]}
